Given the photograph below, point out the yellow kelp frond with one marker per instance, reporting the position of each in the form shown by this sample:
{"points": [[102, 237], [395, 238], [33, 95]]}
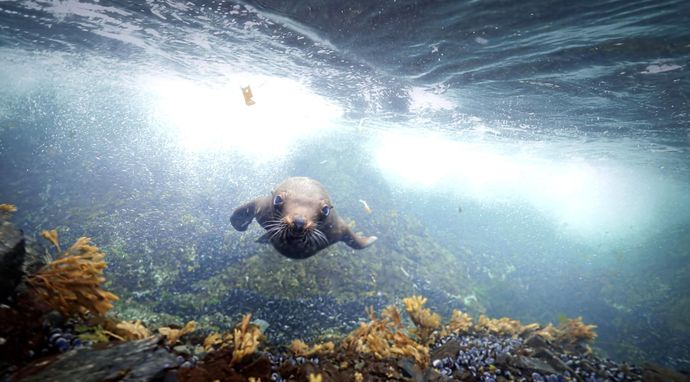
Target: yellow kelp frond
{"points": [[425, 321], [301, 349], [52, 237], [172, 336], [574, 330], [501, 326], [549, 332], [246, 340], [6, 210], [381, 338], [459, 322], [72, 282], [133, 330], [392, 315]]}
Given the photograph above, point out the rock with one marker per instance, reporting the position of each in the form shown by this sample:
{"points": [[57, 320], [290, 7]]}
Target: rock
{"points": [[449, 349], [141, 360], [183, 349], [537, 342], [12, 252], [656, 373], [534, 364]]}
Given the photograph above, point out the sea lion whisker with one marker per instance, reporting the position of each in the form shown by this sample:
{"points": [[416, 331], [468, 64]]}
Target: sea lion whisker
{"points": [[298, 219]]}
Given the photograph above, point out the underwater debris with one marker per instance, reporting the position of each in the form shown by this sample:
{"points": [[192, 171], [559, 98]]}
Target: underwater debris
{"points": [[246, 340], [425, 321], [247, 93], [72, 282], [301, 349], [172, 336], [365, 205], [459, 322]]}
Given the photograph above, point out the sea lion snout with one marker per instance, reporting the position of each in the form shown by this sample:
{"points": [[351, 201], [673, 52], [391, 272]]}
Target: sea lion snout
{"points": [[298, 222], [299, 219]]}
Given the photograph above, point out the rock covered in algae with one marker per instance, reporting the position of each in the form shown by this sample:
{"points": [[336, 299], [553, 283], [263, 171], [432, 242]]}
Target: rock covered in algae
{"points": [[12, 254], [141, 360]]}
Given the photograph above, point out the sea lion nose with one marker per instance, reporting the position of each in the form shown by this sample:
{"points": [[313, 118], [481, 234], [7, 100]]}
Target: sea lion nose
{"points": [[298, 222]]}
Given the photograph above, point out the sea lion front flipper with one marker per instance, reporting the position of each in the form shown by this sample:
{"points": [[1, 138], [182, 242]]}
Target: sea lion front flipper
{"points": [[357, 241], [265, 238], [243, 216]]}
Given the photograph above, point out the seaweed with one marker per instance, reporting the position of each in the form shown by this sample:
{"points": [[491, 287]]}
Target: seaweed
{"points": [[246, 340], [383, 337], [6, 210], [574, 331], [459, 322], [502, 326], [172, 336], [72, 283], [424, 319], [301, 349]]}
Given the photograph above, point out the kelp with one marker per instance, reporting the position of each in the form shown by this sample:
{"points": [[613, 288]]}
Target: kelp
{"points": [[6, 210], [383, 337], [574, 331], [502, 326], [459, 322], [424, 319], [301, 349], [132, 330], [173, 336], [72, 283], [246, 339]]}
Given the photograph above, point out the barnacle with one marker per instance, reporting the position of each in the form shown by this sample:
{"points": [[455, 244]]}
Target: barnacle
{"points": [[301, 349], [425, 321], [172, 336], [72, 282], [246, 339]]}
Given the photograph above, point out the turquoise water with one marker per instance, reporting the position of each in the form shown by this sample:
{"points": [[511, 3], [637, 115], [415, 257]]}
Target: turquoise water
{"points": [[545, 147]]}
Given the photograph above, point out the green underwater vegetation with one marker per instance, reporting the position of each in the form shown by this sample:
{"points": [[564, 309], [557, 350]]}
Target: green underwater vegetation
{"points": [[230, 346]]}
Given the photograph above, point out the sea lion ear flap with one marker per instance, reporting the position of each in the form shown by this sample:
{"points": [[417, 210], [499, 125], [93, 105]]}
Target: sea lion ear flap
{"points": [[243, 216]]}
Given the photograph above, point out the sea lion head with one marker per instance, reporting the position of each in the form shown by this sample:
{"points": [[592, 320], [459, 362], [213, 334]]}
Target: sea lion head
{"points": [[298, 220]]}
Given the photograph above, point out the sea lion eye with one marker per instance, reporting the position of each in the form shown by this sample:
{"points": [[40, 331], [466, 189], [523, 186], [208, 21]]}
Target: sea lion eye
{"points": [[277, 201], [325, 210]]}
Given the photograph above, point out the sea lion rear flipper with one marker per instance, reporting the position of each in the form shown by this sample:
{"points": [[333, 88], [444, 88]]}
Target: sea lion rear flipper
{"points": [[265, 238], [243, 216], [357, 241]]}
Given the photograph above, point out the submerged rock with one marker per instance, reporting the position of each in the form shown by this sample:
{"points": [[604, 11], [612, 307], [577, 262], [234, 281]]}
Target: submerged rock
{"points": [[12, 252], [142, 360]]}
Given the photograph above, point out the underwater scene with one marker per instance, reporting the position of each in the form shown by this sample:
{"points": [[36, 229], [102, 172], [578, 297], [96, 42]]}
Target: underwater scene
{"points": [[263, 190]]}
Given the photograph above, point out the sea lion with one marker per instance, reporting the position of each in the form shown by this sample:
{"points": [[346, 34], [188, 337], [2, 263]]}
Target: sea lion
{"points": [[299, 219]]}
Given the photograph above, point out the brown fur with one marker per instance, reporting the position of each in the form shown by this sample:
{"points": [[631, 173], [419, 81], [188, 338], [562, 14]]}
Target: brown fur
{"points": [[302, 200]]}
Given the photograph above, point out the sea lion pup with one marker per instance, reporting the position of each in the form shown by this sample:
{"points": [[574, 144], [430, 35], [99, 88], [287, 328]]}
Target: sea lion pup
{"points": [[299, 219]]}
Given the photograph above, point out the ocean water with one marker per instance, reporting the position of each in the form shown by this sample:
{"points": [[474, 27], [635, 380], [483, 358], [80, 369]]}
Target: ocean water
{"points": [[542, 148]]}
